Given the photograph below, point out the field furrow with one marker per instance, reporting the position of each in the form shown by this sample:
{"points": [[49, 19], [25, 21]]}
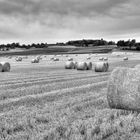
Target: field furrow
{"points": [[31, 100], [45, 81], [40, 101], [38, 89]]}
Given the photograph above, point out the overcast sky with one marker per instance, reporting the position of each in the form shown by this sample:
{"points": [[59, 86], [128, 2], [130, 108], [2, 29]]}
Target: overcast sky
{"points": [[28, 21]]}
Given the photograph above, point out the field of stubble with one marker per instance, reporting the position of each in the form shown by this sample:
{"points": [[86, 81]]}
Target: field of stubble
{"points": [[47, 102]]}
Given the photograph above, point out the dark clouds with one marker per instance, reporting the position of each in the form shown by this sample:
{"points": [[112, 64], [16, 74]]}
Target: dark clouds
{"points": [[59, 7], [51, 20]]}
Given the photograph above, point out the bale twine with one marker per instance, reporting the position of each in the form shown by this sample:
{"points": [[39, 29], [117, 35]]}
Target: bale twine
{"points": [[101, 66], [89, 65], [81, 66], [123, 89], [5, 66], [69, 65]]}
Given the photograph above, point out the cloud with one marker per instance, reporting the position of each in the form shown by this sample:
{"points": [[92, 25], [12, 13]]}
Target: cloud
{"points": [[59, 7], [39, 20]]}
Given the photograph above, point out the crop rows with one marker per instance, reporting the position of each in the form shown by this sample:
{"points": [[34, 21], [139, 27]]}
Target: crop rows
{"points": [[46, 101]]}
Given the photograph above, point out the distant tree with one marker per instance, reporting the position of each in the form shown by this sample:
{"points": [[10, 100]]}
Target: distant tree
{"points": [[137, 46], [111, 43], [132, 43], [121, 43]]}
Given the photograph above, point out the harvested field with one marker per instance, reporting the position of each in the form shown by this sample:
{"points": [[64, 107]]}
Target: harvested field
{"points": [[45, 101]]}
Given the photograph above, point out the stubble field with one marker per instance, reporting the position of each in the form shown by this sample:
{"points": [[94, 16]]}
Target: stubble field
{"points": [[44, 101]]}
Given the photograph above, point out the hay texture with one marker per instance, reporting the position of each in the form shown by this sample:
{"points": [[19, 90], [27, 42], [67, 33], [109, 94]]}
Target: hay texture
{"points": [[101, 66], [69, 65], [123, 89], [5, 66], [81, 66]]}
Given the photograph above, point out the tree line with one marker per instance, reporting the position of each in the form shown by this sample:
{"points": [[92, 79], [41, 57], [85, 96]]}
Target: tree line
{"points": [[122, 44], [128, 45], [6, 47], [90, 43]]}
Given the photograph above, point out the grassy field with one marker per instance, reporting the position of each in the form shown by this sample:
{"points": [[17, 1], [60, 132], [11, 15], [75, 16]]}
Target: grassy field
{"points": [[44, 101], [58, 50]]}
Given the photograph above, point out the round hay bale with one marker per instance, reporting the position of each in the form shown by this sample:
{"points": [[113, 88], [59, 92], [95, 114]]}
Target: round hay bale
{"points": [[88, 58], [38, 58], [81, 66], [125, 58], [123, 89], [101, 58], [89, 65], [35, 61], [70, 59], [5, 66], [55, 59], [105, 58], [101, 67], [69, 65], [18, 59]]}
